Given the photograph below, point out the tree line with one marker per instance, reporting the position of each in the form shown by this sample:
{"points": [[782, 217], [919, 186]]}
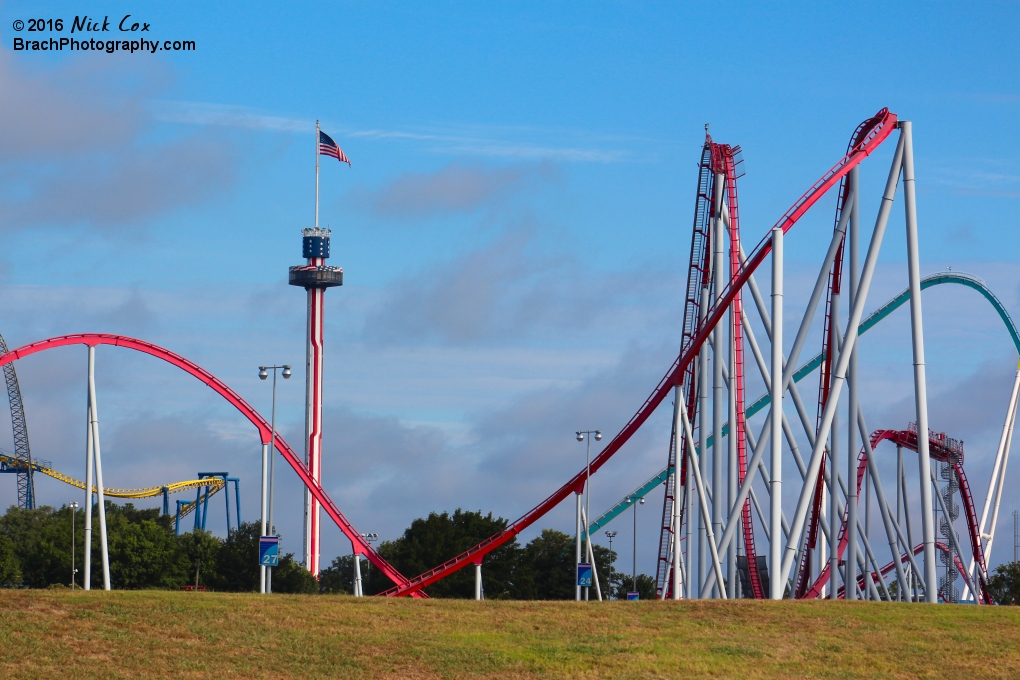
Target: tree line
{"points": [[35, 552], [543, 569]]}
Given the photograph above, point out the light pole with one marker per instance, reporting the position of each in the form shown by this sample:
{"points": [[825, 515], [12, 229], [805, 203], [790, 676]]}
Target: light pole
{"points": [[633, 575], [611, 535], [263, 374], [74, 508], [587, 507]]}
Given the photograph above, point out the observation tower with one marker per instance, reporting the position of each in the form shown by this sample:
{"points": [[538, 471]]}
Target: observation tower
{"points": [[315, 276]]}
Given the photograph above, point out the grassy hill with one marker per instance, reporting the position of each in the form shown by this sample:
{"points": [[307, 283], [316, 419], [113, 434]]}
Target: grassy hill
{"points": [[60, 634]]}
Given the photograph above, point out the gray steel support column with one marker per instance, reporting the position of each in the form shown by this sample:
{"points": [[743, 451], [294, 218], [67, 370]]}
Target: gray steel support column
{"points": [[97, 453], [689, 498], [702, 460], [910, 532], [899, 504], [883, 505], [89, 457], [702, 498], [265, 481], [677, 508], [839, 374], [577, 555], [718, 357], [917, 338], [834, 513], [853, 394], [776, 414]]}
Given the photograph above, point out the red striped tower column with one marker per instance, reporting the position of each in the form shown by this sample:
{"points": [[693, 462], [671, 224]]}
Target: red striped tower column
{"points": [[315, 277]]}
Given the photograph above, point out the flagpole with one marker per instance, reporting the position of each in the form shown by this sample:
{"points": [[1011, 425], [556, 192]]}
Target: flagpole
{"points": [[316, 174]]}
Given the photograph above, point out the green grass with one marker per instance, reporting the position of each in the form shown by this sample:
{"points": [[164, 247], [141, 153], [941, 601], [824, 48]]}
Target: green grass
{"points": [[61, 634]]}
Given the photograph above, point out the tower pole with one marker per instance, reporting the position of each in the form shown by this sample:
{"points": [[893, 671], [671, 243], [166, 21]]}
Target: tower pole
{"points": [[315, 276], [316, 174]]}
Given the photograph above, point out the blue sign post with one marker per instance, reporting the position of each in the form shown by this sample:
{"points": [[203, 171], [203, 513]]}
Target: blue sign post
{"points": [[269, 551], [632, 595], [584, 572]]}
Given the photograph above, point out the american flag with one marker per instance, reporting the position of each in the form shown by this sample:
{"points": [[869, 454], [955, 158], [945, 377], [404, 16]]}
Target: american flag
{"points": [[327, 147]]}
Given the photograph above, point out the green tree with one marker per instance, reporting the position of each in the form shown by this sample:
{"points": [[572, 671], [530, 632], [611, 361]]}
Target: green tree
{"points": [[645, 587], [437, 538], [1004, 585], [547, 569], [143, 551], [10, 568], [237, 562], [291, 577], [42, 543], [201, 551], [338, 577], [237, 566]]}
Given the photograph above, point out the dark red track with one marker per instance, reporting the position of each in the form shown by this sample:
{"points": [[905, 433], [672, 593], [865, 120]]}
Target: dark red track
{"points": [[936, 445], [93, 339], [879, 127]]}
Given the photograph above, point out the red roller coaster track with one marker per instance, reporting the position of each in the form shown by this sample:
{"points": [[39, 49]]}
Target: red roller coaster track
{"points": [[218, 386], [908, 440], [879, 127]]}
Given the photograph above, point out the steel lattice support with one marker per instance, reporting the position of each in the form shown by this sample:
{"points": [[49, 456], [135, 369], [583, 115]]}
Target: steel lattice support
{"points": [[22, 451]]}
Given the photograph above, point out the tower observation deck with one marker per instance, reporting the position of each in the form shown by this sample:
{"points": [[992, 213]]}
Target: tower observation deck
{"points": [[315, 276]]}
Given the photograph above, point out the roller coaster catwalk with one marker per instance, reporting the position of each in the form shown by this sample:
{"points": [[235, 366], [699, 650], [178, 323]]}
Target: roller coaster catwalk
{"points": [[719, 538]]}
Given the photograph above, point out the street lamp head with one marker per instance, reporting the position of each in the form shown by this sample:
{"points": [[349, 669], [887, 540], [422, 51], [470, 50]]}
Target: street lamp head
{"points": [[580, 436], [286, 371], [263, 373], [73, 505], [642, 501], [598, 435]]}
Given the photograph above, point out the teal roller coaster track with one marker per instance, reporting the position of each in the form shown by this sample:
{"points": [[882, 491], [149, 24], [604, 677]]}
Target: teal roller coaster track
{"points": [[870, 322]]}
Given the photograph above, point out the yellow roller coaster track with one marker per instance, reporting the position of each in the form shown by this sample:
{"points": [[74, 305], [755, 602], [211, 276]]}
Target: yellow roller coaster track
{"points": [[214, 483]]}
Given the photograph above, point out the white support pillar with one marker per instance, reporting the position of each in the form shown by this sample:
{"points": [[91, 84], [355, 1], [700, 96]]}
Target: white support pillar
{"points": [[89, 461], [677, 508], [702, 459], [718, 356], [776, 585], [998, 491], [994, 495], [920, 384], [834, 513], [702, 498], [359, 589], [839, 374], [100, 498], [577, 551], [265, 481], [478, 580], [853, 398]]}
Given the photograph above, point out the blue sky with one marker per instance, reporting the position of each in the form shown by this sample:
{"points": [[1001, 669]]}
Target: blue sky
{"points": [[514, 228]]}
